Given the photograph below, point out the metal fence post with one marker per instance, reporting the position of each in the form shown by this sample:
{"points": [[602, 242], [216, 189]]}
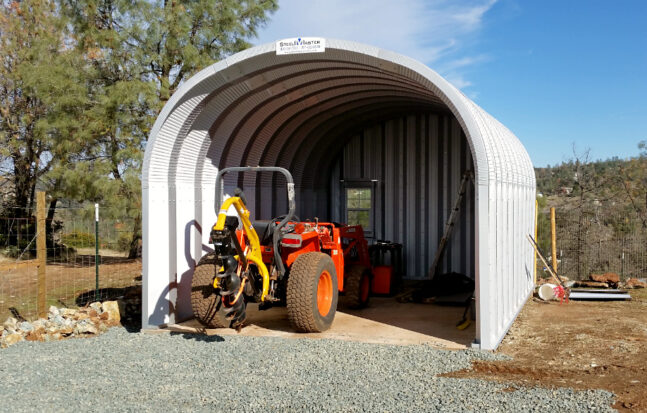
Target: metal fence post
{"points": [[41, 254], [96, 251]]}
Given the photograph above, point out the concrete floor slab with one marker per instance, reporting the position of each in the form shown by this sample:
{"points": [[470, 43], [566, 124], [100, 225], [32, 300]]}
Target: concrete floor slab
{"points": [[385, 321]]}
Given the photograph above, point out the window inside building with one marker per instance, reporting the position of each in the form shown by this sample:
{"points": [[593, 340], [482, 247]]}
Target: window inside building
{"points": [[359, 203]]}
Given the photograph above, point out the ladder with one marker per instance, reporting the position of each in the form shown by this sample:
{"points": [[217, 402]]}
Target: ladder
{"points": [[449, 226]]}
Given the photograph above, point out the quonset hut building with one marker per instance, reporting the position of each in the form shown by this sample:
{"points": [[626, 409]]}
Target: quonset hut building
{"points": [[344, 116]]}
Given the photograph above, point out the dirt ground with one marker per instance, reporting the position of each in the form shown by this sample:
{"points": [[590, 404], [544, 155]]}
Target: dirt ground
{"points": [[584, 345], [65, 281]]}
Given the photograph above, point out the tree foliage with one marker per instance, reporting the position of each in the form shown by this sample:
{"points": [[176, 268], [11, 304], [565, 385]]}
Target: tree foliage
{"points": [[42, 93], [83, 81]]}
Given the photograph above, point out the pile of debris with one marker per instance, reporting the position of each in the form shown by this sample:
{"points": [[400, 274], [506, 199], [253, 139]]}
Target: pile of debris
{"points": [[62, 323], [609, 280], [599, 287]]}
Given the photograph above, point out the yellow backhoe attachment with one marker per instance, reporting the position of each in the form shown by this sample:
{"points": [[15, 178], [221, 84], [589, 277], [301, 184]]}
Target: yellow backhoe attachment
{"points": [[254, 252]]}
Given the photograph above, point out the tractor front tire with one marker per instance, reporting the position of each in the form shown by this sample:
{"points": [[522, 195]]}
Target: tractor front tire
{"points": [[205, 301], [357, 287], [312, 293]]}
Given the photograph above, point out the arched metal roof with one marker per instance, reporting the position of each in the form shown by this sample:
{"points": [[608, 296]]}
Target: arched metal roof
{"points": [[260, 108]]}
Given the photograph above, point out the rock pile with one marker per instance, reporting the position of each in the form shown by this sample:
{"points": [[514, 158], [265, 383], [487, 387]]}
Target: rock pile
{"points": [[62, 323]]}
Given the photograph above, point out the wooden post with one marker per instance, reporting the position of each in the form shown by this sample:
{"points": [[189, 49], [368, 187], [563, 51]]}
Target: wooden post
{"points": [[536, 230], [41, 253], [553, 238]]}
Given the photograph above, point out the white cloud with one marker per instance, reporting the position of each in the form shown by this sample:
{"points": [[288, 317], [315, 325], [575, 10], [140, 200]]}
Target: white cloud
{"points": [[432, 31]]}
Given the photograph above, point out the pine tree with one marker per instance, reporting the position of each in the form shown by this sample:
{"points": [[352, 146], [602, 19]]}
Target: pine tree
{"points": [[42, 93], [142, 51]]}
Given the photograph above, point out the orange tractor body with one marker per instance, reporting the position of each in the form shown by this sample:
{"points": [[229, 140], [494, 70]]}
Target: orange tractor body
{"points": [[283, 261]]}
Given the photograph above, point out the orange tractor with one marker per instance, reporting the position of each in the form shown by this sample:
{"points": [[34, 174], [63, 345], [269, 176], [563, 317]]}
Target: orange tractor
{"points": [[283, 261]]}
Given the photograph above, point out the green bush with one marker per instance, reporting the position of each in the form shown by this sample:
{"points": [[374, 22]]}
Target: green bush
{"points": [[123, 242], [78, 239], [11, 251]]}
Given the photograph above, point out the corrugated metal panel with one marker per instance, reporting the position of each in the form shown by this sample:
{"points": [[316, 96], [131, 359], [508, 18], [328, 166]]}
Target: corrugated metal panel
{"points": [[259, 108], [418, 162]]}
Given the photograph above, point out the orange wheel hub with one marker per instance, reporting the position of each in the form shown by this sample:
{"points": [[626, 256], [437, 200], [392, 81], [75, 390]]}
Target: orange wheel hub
{"points": [[324, 293]]}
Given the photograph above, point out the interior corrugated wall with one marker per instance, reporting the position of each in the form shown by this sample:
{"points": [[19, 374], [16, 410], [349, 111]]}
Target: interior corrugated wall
{"points": [[415, 163]]}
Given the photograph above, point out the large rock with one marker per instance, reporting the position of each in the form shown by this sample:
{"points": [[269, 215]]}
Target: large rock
{"points": [[112, 308], [65, 331], [68, 312], [36, 335], [10, 340], [635, 283], [57, 321], [610, 277], [10, 324], [81, 316], [53, 312], [26, 327], [52, 337], [85, 327], [591, 284], [40, 323]]}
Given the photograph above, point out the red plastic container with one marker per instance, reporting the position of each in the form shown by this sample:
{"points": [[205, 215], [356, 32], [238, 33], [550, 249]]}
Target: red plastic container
{"points": [[382, 275]]}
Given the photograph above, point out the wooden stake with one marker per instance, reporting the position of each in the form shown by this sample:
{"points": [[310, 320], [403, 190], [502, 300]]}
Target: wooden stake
{"points": [[41, 253], [541, 256], [536, 230], [553, 238]]}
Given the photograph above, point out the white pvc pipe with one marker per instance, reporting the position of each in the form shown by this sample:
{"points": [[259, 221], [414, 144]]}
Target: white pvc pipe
{"points": [[547, 292], [599, 296]]}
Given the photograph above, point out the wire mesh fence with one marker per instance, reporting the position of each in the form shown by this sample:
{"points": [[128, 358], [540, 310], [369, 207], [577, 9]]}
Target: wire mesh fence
{"points": [[596, 241], [83, 260]]}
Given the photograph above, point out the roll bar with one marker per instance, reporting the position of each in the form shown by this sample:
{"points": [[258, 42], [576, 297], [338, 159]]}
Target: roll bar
{"points": [[291, 202]]}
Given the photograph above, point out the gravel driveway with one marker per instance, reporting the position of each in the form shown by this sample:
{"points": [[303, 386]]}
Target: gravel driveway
{"points": [[121, 371]]}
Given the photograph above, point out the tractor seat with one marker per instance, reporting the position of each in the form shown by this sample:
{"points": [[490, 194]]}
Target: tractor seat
{"points": [[265, 230]]}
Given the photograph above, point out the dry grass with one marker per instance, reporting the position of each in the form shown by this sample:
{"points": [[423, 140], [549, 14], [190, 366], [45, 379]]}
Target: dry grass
{"points": [[66, 281]]}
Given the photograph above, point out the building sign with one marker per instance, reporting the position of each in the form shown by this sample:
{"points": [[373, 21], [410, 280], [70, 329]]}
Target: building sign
{"points": [[301, 45]]}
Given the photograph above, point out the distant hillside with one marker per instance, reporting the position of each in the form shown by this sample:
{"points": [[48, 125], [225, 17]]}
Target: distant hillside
{"points": [[601, 215], [617, 185]]}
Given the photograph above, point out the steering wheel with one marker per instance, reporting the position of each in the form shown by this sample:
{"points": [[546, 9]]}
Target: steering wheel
{"points": [[285, 228], [282, 217]]}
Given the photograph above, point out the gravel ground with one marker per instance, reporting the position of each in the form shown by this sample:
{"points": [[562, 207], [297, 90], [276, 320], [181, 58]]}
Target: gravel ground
{"points": [[121, 371]]}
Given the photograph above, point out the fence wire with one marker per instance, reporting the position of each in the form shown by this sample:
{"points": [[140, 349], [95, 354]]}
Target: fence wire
{"points": [[595, 242], [70, 265]]}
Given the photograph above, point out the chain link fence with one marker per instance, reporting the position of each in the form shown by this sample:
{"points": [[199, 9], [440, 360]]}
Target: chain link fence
{"points": [[595, 241], [71, 254]]}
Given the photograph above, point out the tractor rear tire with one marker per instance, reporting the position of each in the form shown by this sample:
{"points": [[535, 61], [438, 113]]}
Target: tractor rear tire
{"points": [[205, 301], [312, 293], [357, 287]]}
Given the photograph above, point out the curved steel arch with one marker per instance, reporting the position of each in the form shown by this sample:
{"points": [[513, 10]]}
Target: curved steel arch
{"points": [[258, 106]]}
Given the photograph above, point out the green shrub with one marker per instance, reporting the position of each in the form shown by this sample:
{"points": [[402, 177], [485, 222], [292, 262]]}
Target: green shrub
{"points": [[11, 251], [123, 242], [78, 239]]}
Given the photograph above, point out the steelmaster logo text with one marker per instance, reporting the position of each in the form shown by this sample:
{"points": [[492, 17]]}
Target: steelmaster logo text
{"points": [[300, 42]]}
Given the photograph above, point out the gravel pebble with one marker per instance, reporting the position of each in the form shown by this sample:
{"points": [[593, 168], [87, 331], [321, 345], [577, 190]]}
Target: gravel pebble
{"points": [[121, 371]]}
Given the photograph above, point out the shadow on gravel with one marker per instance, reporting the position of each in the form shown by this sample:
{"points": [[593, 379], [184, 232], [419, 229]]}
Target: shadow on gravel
{"points": [[200, 337], [130, 303]]}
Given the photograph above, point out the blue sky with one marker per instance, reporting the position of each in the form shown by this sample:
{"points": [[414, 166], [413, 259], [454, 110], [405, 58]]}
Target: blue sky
{"points": [[557, 73]]}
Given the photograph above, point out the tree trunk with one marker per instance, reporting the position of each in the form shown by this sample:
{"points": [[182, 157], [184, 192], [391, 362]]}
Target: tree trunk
{"points": [[134, 251], [49, 221]]}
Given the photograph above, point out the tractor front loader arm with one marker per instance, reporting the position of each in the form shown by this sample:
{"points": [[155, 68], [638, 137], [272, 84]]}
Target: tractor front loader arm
{"points": [[286, 218], [254, 253]]}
